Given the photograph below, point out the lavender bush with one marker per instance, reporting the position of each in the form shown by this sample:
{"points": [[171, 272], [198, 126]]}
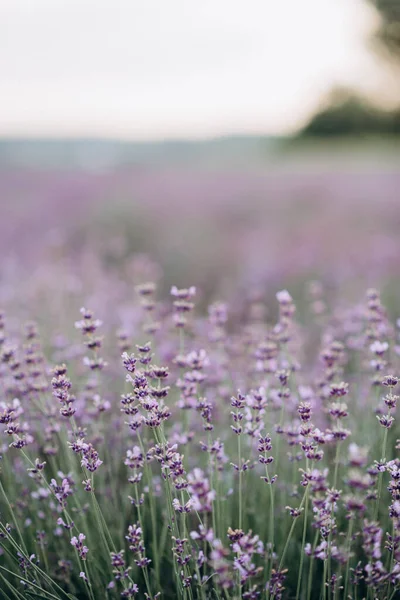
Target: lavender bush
{"points": [[197, 454]]}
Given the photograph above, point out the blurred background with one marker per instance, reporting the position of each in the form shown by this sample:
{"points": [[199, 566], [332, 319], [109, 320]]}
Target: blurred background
{"points": [[233, 144]]}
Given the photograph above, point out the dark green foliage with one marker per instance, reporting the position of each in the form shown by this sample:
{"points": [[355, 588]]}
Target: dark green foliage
{"points": [[347, 114]]}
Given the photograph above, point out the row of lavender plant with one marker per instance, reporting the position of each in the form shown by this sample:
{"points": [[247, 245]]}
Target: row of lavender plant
{"points": [[218, 457]]}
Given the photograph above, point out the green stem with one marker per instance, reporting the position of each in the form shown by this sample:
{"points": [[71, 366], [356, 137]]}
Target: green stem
{"points": [[303, 541], [14, 518], [271, 512], [337, 460], [278, 439], [160, 439], [66, 514], [329, 558], [396, 589], [145, 570], [26, 556], [240, 482], [310, 570], [289, 537], [348, 546], [156, 554], [14, 590], [213, 503], [383, 458], [271, 531], [31, 583], [324, 580]]}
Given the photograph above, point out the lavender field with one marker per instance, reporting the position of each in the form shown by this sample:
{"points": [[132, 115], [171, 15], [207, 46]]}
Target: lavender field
{"points": [[199, 368]]}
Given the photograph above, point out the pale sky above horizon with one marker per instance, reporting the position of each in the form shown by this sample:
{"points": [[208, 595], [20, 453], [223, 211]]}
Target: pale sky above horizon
{"points": [[154, 69]]}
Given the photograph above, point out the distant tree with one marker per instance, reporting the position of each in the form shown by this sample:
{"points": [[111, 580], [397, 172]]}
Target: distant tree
{"points": [[388, 33], [346, 113]]}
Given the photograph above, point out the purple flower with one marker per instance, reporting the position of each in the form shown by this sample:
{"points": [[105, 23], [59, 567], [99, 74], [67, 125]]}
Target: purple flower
{"points": [[390, 381], [131, 591], [90, 458], [385, 420], [77, 542], [61, 491], [183, 294], [339, 389], [129, 362]]}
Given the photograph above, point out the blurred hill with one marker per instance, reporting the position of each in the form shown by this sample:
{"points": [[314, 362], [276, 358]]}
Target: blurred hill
{"points": [[99, 154], [317, 150]]}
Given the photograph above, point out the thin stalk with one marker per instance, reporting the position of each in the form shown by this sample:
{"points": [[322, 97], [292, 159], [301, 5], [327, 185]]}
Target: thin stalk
{"points": [[271, 525], [289, 537], [31, 583], [185, 417], [271, 512], [240, 482], [160, 439], [278, 439], [145, 570], [185, 535], [348, 546], [14, 518], [200, 585], [12, 588], [396, 589], [46, 562], [310, 570], [383, 458], [392, 553], [303, 541], [211, 487], [156, 554], [34, 566], [6, 596], [324, 580], [101, 522], [329, 558], [337, 459], [65, 512], [219, 512]]}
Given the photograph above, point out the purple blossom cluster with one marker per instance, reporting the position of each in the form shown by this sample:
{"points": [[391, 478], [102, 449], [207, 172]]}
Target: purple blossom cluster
{"points": [[226, 452]]}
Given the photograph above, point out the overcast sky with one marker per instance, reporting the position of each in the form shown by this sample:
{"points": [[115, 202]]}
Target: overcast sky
{"points": [[176, 68]]}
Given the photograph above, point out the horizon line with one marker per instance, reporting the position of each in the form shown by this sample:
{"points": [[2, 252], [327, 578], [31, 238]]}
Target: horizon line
{"points": [[140, 140]]}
